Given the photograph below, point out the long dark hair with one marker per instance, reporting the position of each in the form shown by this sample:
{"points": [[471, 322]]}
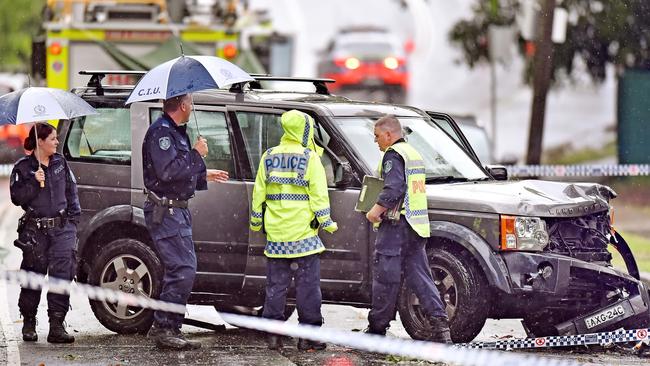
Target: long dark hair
{"points": [[44, 130]]}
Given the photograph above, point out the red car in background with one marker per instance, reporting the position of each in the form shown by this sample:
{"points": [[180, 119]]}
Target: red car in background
{"points": [[366, 59]]}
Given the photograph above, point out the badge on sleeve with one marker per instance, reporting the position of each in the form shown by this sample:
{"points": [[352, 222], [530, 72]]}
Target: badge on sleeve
{"points": [[388, 166], [164, 143]]}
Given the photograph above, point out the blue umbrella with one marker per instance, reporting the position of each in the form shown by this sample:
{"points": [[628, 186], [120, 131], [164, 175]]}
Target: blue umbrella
{"points": [[187, 74]]}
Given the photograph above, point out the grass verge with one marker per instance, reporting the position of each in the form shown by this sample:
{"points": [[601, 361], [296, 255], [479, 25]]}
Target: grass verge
{"points": [[640, 248]]}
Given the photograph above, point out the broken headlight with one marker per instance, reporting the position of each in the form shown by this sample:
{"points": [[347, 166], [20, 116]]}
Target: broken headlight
{"points": [[523, 233]]}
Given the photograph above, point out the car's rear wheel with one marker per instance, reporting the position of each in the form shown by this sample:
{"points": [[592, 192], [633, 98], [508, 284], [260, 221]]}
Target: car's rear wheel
{"points": [[129, 266], [461, 289]]}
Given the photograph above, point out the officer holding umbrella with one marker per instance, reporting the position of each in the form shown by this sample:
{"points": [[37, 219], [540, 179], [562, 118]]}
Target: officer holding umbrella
{"points": [[173, 169], [44, 186]]}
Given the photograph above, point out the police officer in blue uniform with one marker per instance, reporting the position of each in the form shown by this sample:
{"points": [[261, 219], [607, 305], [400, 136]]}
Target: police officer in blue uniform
{"points": [[173, 170], [398, 247], [44, 186]]}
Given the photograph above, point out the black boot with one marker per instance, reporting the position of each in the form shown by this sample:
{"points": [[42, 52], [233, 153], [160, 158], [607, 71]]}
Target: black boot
{"points": [[190, 344], [373, 330], [167, 338], [440, 330], [57, 330], [306, 345], [273, 341], [29, 328]]}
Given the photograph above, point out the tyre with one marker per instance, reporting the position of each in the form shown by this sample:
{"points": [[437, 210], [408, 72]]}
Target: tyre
{"points": [[130, 266], [461, 288]]}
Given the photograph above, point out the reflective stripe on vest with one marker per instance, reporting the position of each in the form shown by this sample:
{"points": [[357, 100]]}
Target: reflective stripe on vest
{"points": [[415, 201], [292, 249]]}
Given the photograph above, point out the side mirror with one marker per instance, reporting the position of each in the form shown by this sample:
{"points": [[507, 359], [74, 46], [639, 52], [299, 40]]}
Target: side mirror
{"points": [[343, 176], [498, 172]]}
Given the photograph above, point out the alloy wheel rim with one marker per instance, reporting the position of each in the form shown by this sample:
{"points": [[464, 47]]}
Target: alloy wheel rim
{"points": [[129, 274]]}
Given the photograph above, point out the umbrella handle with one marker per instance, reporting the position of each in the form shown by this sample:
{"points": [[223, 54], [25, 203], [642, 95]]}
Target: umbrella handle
{"points": [[42, 184]]}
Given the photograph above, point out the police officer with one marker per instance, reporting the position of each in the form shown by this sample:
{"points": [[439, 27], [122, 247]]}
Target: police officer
{"points": [[290, 201], [400, 244], [173, 170], [43, 185]]}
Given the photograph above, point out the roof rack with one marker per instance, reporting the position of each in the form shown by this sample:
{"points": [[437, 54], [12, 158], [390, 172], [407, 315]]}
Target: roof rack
{"points": [[319, 83], [98, 75]]}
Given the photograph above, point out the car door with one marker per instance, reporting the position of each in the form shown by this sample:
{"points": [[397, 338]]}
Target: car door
{"points": [[342, 275], [448, 125], [219, 214]]}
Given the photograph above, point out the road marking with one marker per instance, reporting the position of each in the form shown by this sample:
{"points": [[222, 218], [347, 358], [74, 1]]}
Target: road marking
{"points": [[13, 353]]}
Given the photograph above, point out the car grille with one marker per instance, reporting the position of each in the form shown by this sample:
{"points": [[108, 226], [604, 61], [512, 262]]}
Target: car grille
{"points": [[585, 238]]}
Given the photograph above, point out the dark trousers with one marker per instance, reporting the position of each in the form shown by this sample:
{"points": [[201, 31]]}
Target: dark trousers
{"points": [[409, 261], [306, 271], [173, 241], [56, 255]]}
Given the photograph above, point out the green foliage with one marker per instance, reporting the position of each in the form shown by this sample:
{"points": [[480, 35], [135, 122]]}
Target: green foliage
{"points": [[20, 21], [472, 35], [599, 32]]}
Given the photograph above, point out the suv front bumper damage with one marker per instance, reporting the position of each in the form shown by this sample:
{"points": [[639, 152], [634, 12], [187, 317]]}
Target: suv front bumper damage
{"points": [[593, 296]]}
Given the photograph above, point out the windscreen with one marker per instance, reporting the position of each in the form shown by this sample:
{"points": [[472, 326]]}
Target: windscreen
{"points": [[442, 156]]}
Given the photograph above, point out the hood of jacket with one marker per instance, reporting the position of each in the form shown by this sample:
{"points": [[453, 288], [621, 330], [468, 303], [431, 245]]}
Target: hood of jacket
{"points": [[299, 128]]}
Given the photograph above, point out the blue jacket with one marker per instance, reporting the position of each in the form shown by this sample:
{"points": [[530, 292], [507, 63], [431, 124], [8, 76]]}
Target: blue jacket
{"points": [[59, 193], [171, 168]]}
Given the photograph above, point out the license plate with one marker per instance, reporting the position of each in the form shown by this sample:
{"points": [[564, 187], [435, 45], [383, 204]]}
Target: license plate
{"points": [[604, 316]]}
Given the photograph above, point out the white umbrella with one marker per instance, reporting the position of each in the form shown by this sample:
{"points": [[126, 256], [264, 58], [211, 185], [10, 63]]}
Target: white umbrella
{"points": [[36, 104]]}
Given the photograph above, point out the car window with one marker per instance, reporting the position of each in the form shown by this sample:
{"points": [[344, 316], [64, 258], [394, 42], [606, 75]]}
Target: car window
{"points": [[261, 131], [446, 126], [212, 126], [105, 137], [480, 142]]}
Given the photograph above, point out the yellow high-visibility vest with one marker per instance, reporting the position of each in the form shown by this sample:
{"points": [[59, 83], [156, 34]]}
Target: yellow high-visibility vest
{"points": [[415, 202]]}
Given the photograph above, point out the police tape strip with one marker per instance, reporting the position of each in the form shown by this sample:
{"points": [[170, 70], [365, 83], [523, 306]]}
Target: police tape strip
{"points": [[579, 170], [522, 171], [361, 341], [603, 339]]}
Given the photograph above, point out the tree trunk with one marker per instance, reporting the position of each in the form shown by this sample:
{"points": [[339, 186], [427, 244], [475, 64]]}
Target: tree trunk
{"points": [[543, 63]]}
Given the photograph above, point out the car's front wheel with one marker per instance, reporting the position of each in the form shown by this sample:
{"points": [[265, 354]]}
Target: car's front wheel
{"points": [[129, 266], [462, 291]]}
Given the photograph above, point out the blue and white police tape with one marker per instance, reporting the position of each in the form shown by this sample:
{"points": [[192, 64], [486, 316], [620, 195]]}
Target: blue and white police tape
{"points": [[522, 171], [361, 341], [602, 338], [579, 170]]}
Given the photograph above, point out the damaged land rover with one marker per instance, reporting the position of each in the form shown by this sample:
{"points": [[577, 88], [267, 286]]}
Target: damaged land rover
{"points": [[531, 249]]}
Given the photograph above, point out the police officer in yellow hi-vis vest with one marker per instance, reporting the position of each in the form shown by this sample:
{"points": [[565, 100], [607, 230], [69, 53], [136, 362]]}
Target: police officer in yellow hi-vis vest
{"points": [[291, 202], [400, 244]]}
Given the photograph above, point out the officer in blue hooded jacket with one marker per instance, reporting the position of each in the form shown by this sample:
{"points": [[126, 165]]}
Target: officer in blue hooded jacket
{"points": [[172, 171], [44, 186]]}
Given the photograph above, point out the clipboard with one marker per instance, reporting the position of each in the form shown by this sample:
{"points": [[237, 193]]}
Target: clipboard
{"points": [[371, 187]]}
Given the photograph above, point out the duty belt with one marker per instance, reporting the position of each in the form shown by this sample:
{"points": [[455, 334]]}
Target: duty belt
{"points": [[166, 202], [47, 222]]}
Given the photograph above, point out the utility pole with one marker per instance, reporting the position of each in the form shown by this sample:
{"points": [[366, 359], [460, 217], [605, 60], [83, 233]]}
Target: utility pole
{"points": [[543, 66]]}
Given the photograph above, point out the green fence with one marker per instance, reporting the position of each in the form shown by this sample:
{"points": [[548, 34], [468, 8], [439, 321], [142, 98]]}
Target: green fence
{"points": [[633, 114]]}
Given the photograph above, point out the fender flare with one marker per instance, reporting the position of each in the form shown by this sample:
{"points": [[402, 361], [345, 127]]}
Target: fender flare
{"points": [[108, 215], [492, 265]]}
